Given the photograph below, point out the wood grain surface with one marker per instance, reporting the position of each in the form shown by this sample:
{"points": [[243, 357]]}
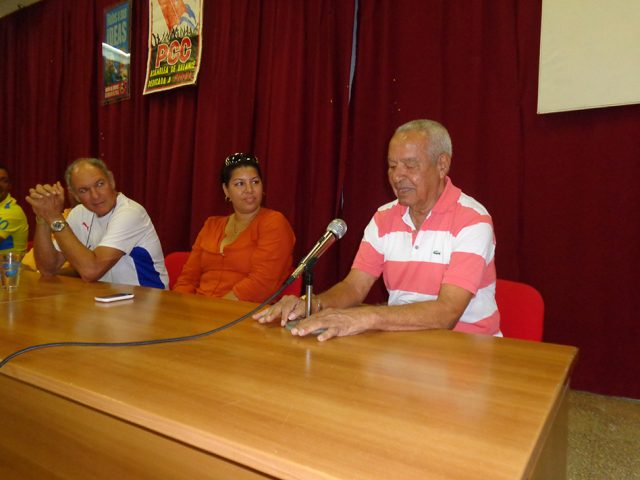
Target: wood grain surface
{"points": [[432, 404]]}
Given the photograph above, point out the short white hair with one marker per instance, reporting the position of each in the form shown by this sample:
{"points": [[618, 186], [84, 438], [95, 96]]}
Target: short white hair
{"points": [[438, 137]]}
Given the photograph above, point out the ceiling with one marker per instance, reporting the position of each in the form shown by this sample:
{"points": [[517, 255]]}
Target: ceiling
{"points": [[9, 6]]}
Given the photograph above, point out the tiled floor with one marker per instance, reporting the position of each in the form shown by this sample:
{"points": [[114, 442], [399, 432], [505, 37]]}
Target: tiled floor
{"points": [[604, 437]]}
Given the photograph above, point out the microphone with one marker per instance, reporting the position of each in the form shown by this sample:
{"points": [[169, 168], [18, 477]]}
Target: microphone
{"points": [[335, 231]]}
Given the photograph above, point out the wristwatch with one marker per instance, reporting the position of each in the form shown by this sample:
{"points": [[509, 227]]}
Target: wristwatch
{"points": [[58, 225]]}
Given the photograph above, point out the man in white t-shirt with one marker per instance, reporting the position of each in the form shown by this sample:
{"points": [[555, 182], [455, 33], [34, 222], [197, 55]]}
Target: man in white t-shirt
{"points": [[107, 237]]}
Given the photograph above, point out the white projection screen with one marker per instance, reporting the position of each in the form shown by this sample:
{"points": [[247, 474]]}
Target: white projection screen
{"points": [[589, 54]]}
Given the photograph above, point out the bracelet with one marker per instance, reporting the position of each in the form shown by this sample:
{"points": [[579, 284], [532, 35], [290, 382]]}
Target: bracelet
{"points": [[41, 221]]}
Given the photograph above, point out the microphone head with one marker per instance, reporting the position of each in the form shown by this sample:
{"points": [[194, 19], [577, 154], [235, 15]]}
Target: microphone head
{"points": [[338, 227]]}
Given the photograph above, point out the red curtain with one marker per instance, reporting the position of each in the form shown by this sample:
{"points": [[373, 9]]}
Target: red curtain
{"points": [[46, 112], [451, 61], [580, 226], [561, 188], [275, 80]]}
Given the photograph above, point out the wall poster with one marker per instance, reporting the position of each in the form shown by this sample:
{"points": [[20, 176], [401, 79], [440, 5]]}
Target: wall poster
{"points": [[116, 53], [175, 31]]}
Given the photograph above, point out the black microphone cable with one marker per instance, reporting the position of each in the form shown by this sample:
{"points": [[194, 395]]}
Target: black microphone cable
{"points": [[147, 342]]}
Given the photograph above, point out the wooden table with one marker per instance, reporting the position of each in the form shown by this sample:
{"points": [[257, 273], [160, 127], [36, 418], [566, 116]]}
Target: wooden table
{"points": [[254, 402]]}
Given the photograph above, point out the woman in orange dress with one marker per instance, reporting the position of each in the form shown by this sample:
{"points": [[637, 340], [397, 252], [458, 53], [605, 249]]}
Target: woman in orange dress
{"points": [[246, 255]]}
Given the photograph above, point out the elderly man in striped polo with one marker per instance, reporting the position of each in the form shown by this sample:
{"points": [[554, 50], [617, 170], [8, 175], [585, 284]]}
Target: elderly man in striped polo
{"points": [[434, 246]]}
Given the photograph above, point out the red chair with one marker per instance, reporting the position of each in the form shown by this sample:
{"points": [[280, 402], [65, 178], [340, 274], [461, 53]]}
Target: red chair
{"points": [[174, 263], [521, 310]]}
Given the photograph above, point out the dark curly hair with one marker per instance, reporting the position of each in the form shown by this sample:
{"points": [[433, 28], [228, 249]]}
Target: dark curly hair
{"points": [[235, 161]]}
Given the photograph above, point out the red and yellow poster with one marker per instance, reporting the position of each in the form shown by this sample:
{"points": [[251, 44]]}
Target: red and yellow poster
{"points": [[175, 30]]}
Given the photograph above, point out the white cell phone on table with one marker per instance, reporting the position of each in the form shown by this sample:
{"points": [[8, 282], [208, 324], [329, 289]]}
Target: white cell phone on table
{"points": [[114, 297]]}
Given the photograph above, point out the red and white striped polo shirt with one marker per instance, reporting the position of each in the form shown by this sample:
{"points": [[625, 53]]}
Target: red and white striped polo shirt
{"points": [[454, 245]]}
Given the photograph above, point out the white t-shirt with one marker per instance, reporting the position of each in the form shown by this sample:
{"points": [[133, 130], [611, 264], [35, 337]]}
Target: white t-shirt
{"points": [[129, 229]]}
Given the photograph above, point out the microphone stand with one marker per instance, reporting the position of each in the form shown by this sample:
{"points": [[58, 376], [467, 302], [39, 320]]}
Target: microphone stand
{"points": [[308, 287]]}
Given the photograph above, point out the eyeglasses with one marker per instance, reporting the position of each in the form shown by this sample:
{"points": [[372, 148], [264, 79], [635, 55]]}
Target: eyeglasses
{"points": [[239, 158]]}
